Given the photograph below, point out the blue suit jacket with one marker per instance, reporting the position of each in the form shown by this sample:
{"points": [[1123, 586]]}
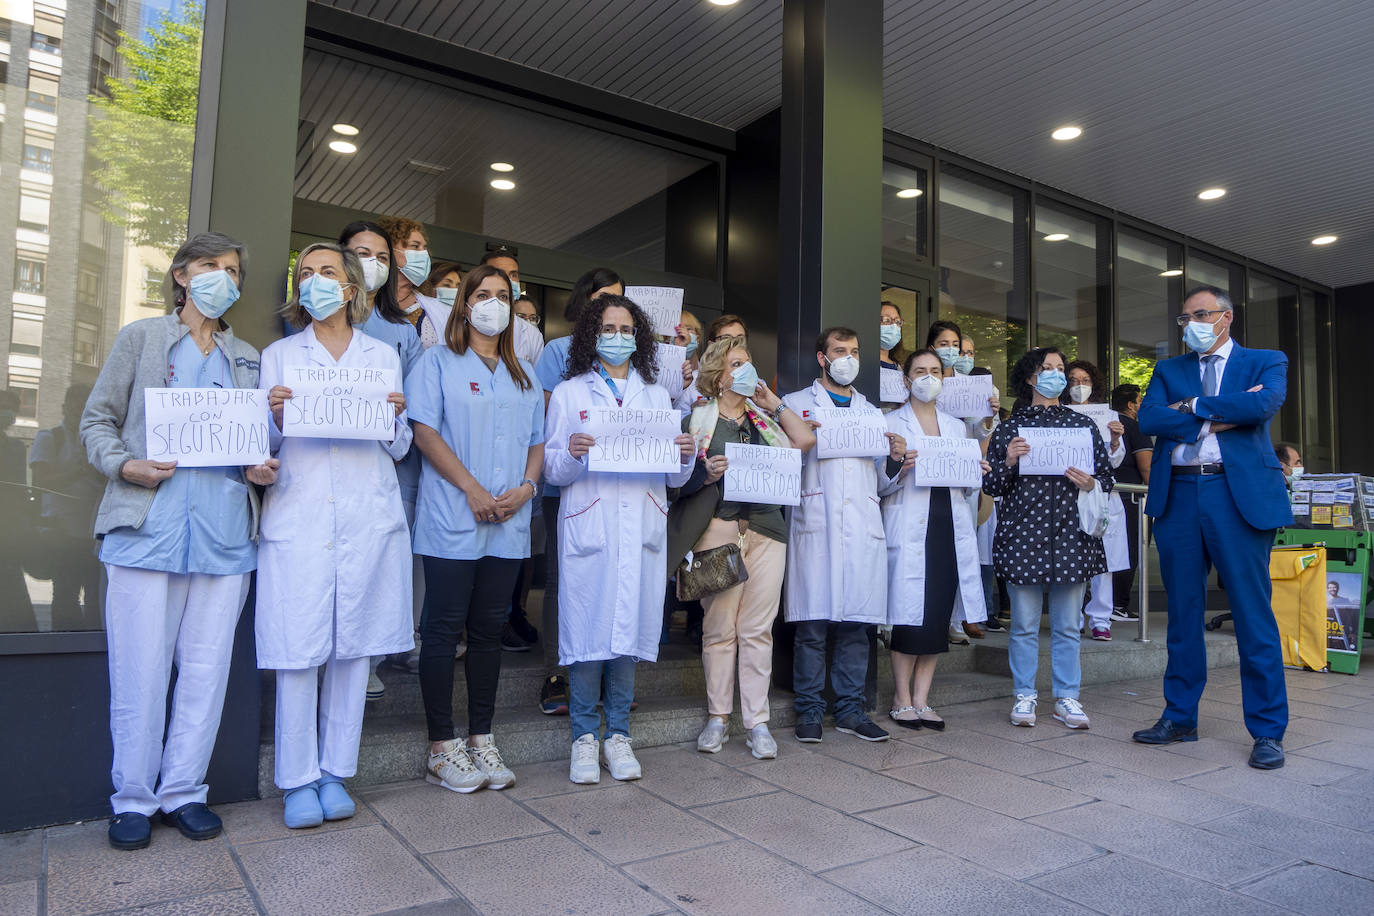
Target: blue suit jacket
{"points": [[1253, 473]]}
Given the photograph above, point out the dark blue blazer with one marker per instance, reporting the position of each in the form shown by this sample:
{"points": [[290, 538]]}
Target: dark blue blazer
{"points": [[1253, 473]]}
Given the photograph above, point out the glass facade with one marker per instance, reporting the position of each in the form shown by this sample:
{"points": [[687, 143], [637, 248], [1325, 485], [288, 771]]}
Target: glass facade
{"points": [[1071, 282], [1149, 291]]}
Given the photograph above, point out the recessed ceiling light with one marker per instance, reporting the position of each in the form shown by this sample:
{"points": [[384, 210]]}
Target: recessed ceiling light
{"points": [[1324, 240], [502, 167], [1068, 132], [908, 193], [503, 184], [1056, 236], [1211, 194], [347, 130], [343, 146], [724, 2], [1171, 272]]}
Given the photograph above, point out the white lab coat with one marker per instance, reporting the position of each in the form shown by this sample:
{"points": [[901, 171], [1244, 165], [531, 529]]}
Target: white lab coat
{"points": [[612, 532], [836, 554], [529, 343], [1114, 541], [334, 564], [906, 510]]}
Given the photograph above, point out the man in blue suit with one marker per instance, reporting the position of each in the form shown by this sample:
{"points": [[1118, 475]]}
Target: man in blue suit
{"points": [[1217, 494]]}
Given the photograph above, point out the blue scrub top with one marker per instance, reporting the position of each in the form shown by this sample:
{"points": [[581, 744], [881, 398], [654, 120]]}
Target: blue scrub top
{"points": [[491, 424], [553, 362], [405, 340], [199, 521]]}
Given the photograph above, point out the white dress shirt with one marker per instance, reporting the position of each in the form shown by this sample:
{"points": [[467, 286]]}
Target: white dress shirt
{"points": [[1209, 451]]}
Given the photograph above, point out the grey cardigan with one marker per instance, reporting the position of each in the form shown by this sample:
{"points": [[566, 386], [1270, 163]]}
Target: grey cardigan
{"points": [[112, 426]]}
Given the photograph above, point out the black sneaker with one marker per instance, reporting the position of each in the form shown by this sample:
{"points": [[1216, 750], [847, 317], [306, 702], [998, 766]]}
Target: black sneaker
{"points": [[522, 626], [553, 696], [808, 732], [993, 623], [866, 729], [130, 830], [511, 641]]}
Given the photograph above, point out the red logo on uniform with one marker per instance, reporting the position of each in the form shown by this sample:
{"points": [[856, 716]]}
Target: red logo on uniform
{"points": [[805, 414], [582, 415], [476, 388]]}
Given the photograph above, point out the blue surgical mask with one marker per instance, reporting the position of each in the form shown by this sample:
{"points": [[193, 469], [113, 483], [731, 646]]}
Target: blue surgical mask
{"points": [[889, 335], [616, 348], [514, 290], [446, 294], [947, 356], [417, 266], [1200, 336], [691, 345], [744, 380], [321, 296], [213, 292], [1050, 383], [963, 365]]}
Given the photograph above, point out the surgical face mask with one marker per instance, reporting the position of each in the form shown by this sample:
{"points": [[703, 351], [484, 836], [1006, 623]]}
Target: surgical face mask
{"points": [[1296, 471], [213, 292], [744, 380], [947, 356], [374, 274], [1079, 394], [844, 370], [321, 296], [889, 335], [616, 348], [446, 294], [963, 365], [926, 388], [1050, 383], [416, 269], [1200, 336], [514, 290], [490, 316], [691, 345]]}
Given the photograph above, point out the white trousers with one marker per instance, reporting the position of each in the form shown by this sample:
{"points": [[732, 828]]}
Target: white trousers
{"points": [[1098, 610], [153, 620], [318, 727]]}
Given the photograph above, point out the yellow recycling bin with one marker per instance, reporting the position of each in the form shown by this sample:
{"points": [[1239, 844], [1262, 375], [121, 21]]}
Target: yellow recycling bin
{"points": [[1298, 575]]}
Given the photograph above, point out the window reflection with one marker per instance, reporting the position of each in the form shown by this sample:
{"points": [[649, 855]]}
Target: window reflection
{"points": [[1271, 322], [1070, 289], [905, 199], [1147, 301]]}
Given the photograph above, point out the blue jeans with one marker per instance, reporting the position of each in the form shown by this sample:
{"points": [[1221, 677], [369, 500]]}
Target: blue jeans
{"points": [[848, 669], [990, 590], [1066, 610], [586, 681]]}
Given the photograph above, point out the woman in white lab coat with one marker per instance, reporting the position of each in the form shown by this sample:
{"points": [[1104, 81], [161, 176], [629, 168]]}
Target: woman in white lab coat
{"points": [[334, 581], [932, 550], [612, 532]]}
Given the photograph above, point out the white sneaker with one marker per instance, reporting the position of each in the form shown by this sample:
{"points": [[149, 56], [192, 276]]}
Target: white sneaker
{"points": [[488, 759], [1070, 712], [375, 688], [584, 769], [620, 759], [957, 636], [761, 742], [453, 769], [460, 650], [713, 736], [1023, 713]]}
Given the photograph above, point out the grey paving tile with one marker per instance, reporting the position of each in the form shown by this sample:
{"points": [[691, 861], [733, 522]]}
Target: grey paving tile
{"points": [[1221, 860], [995, 752], [540, 780], [453, 907], [223, 903], [739, 877], [431, 818], [1315, 730], [1360, 782], [1257, 787], [836, 783], [1015, 848], [1316, 890], [1351, 718], [1122, 884], [1127, 755], [686, 777], [1016, 796], [883, 755], [735, 754], [496, 879], [346, 873], [21, 855], [1325, 844], [1327, 698], [926, 880], [1307, 770], [1346, 753], [86, 876], [1142, 793], [249, 822], [801, 831], [625, 826], [19, 898]]}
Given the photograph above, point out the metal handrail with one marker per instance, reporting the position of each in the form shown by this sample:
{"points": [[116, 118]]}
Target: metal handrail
{"points": [[1143, 555]]}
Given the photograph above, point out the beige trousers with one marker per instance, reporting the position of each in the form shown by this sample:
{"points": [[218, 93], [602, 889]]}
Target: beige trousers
{"points": [[739, 624]]}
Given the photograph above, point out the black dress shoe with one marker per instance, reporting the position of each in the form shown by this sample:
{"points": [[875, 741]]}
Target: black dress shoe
{"points": [[1166, 731], [1267, 755], [130, 830], [194, 820]]}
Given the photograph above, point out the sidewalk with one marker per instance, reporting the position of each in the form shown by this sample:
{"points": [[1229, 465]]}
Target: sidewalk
{"points": [[982, 818]]}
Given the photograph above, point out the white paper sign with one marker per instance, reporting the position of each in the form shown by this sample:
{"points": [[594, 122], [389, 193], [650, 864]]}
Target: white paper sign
{"points": [[891, 386], [1053, 451], [762, 474], [207, 427], [1101, 414], [663, 305], [670, 360], [943, 461], [633, 441], [966, 396], [851, 432], [339, 402]]}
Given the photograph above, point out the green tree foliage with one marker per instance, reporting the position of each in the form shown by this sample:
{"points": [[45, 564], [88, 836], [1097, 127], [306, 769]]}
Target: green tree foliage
{"points": [[143, 134], [1134, 370]]}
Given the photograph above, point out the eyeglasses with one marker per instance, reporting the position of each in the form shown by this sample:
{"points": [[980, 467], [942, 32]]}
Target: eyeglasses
{"points": [[891, 322], [1199, 315]]}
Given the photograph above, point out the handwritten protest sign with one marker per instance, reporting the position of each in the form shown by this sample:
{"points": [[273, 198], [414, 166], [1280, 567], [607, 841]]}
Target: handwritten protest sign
{"points": [[633, 441], [966, 396], [207, 427], [943, 461], [850, 432], [670, 360], [1101, 414], [762, 474], [663, 305], [1053, 451], [891, 386], [339, 402]]}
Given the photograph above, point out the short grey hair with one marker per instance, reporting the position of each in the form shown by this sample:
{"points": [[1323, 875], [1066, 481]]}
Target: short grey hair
{"points": [[203, 245], [1223, 300]]}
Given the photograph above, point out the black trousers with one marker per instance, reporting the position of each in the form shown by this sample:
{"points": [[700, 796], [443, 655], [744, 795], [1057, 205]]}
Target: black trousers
{"points": [[472, 595]]}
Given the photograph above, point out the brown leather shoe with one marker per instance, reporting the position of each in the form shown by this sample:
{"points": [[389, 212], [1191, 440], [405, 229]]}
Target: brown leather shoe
{"points": [[974, 630]]}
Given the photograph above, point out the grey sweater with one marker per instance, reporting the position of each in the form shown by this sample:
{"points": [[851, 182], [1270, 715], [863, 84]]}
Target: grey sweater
{"points": [[112, 426]]}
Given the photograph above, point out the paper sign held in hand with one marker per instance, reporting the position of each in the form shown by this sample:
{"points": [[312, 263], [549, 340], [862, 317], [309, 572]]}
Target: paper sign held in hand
{"points": [[207, 427], [670, 360], [891, 386], [942, 461], [1053, 450], [966, 396], [1100, 414], [762, 474], [339, 402], [634, 441], [663, 305], [851, 432]]}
